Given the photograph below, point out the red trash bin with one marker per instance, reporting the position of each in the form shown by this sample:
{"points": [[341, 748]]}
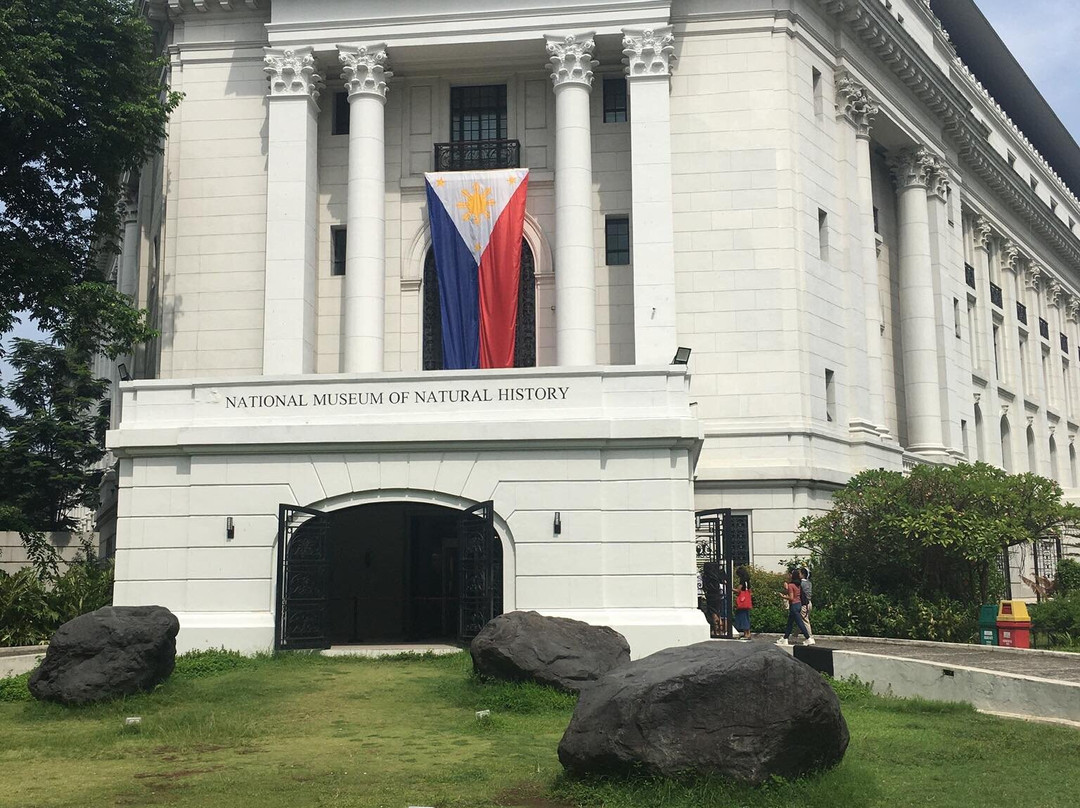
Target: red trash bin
{"points": [[1014, 625]]}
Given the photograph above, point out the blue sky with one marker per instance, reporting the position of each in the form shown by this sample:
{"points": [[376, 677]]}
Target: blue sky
{"points": [[1043, 36]]}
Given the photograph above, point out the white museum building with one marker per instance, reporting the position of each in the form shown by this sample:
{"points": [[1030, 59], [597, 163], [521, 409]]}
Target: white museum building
{"points": [[857, 219]]}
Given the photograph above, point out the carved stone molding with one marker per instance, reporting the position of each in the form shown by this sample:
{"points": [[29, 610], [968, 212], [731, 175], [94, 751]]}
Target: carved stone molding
{"points": [[912, 167], [1033, 276], [364, 69], [1053, 292], [648, 51], [1010, 255], [1072, 309], [977, 397], [570, 56], [981, 231], [853, 101], [292, 72], [1004, 410], [1031, 420]]}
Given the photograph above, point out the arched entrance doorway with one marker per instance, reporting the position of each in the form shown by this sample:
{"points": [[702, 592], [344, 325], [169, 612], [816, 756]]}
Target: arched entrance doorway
{"points": [[386, 572]]}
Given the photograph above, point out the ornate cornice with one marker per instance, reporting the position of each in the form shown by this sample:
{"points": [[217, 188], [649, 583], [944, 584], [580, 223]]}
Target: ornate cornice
{"points": [[292, 72], [853, 101], [912, 167], [364, 69], [178, 7], [648, 51], [571, 58], [882, 34]]}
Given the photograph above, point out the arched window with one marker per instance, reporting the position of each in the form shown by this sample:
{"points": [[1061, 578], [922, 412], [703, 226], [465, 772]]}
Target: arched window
{"points": [[1006, 445], [525, 339], [1032, 463], [1055, 472], [980, 438], [1072, 465]]}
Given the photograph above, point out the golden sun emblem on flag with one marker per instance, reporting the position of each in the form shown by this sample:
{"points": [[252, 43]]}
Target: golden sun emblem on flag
{"points": [[477, 203]]}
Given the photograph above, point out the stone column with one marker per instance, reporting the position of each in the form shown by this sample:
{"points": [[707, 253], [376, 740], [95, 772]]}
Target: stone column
{"points": [[1056, 395], [127, 281], [918, 324], [860, 110], [649, 54], [575, 258], [365, 74], [1010, 263], [291, 212]]}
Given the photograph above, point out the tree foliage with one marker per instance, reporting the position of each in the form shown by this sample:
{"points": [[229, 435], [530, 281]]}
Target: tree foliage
{"points": [[81, 103], [937, 533]]}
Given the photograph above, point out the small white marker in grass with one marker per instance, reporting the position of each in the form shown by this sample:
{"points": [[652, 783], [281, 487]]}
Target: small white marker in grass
{"points": [[482, 715]]}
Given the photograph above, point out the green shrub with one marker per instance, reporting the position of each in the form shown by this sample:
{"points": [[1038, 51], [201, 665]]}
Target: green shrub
{"points": [[33, 607], [14, 688], [1067, 578], [1058, 617]]}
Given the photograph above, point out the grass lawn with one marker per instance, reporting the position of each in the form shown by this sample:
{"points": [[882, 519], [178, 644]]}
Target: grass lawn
{"points": [[301, 731]]}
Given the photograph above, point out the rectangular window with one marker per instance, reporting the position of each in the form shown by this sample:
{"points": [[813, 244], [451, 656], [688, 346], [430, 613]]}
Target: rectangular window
{"points": [[616, 109], [337, 250], [997, 354], [617, 240], [956, 317], [964, 438], [340, 124], [1024, 380], [830, 396], [819, 92], [478, 113], [823, 234]]}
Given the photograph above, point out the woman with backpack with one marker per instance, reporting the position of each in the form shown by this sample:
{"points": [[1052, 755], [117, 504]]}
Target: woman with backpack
{"points": [[744, 602]]}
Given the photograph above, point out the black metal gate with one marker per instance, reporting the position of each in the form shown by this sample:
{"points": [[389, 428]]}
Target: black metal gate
{"points": [[1046, 553], [303, 578], [723, 543], [480, 568]]}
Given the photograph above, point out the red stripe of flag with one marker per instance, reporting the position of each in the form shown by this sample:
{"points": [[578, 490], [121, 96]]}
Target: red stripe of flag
{"points": [[500, 273]]}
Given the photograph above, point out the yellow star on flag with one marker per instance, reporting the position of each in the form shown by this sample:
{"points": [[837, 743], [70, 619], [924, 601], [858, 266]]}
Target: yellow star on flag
{"points": [[440, 182]]}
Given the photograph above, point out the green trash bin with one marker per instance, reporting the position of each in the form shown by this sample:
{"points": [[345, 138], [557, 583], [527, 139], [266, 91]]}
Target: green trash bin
{"points": [[988, 633]]}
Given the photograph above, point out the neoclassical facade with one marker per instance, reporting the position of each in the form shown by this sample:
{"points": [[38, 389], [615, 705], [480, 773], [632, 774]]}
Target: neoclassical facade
{"points": [[872, 265]]}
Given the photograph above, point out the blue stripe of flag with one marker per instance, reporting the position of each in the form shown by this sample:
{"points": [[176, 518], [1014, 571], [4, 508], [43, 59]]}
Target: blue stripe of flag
{"points": [[459, 290]]}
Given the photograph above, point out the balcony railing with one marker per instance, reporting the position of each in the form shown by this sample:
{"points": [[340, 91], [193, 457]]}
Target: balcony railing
{"points": [[1021, 313], [477, 155], [1064, 343], [969, 275], [995, 294], [1044, 328]]}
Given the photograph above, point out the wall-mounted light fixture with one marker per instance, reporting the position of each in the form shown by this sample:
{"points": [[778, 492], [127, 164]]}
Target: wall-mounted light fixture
{"points": [[122, 371], [230, 530], [557, 527], [682, 356]]}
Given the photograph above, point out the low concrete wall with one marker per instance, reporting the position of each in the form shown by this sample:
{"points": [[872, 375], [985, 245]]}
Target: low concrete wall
{"points": [[991, 691], [13, 554], [15, 661]]}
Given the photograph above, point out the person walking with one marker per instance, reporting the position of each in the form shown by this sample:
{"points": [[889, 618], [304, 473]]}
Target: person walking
{"points": [[744, 603], [793, 595], [806, 593], [712, 584]]}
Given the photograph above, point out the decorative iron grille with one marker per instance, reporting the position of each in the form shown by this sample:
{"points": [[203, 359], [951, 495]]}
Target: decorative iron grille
{"points": [[303, 578], [480, 569], [1044, 328], [477, 155], [1021, 313], [995, 294], [969, 275]]}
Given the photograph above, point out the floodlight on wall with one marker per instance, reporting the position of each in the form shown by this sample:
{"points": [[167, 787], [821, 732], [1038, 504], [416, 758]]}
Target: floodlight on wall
{"points": [[682, 356], [557, 526], [122, 370], [230, 529]]}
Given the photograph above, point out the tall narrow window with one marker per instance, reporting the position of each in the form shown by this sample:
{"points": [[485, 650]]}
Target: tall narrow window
{"points": [[980, 437], [340, 123], [819, 91], [823, 234], [1006, 445], [1055, 472], [1025, 383], [338, 240], [956, 317], [830, 396], [1067, 388], [1031, 450], [997, 353], [617, 240], [1072, 465], [972, 332], [1046, 378], [616, 109], [964, 439]]}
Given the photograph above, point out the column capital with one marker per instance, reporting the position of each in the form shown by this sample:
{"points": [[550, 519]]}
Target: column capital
{"points": [[570, 56], [981, 231], [364, 69], [1033, 276], [853, 101], [1072, 309], [1054, 292], [648, 51], [912, 167], [1010, 255], [938, 179], [292, 72]]}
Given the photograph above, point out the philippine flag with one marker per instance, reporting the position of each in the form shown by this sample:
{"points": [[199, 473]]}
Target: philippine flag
{"points": [[476, 222]]}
